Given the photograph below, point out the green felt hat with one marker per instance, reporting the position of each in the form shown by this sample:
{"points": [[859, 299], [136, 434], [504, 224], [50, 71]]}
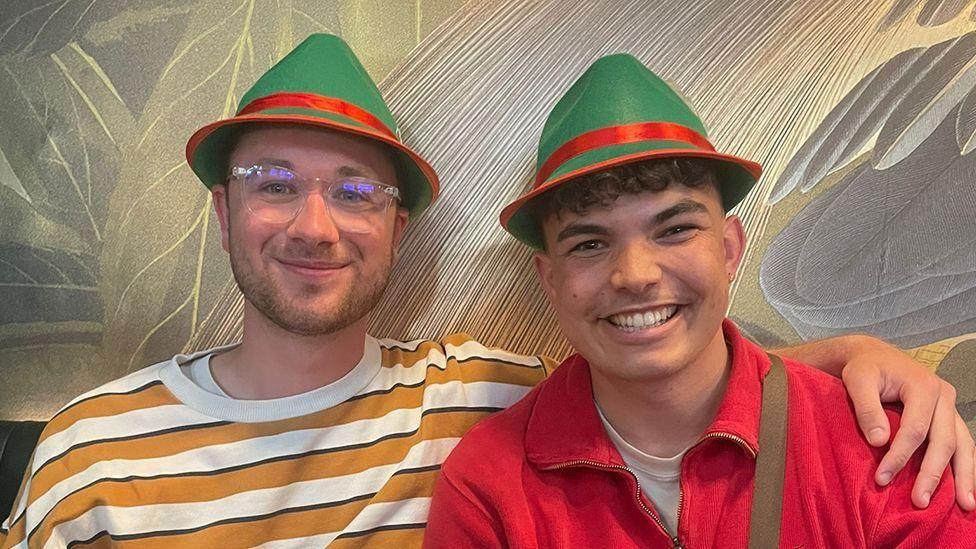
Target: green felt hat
{"points": [[320, 83], [616, 113]]}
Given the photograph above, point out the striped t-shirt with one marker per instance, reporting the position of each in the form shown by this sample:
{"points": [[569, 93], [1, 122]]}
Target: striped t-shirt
{"points": [[154, 460]]}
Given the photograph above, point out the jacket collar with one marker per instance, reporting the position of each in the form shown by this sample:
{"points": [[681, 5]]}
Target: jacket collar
{"points": [[564, 425]]}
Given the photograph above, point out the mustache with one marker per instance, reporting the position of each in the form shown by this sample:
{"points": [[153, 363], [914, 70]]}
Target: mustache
{"points": [[316, 254]]}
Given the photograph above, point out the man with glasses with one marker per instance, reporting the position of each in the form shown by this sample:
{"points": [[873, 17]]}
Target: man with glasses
{"points": [[310, 432]]}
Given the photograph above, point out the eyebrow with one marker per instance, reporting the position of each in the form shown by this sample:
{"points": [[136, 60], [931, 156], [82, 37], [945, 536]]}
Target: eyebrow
{"points": [[685, 206], [349, 171], [275, 161], [575, 229]]}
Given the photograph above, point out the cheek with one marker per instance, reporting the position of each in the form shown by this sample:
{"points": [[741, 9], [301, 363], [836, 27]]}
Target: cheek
{"points": [[373, 248], [705, 270], [250, 238], [577, 291]]}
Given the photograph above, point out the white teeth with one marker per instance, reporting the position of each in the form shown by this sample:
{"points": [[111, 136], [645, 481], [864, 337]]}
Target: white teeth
{"points": [[637, 321]]}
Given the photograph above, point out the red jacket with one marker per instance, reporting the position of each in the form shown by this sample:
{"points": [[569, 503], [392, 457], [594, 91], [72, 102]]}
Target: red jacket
{"points": [[544, 474]]}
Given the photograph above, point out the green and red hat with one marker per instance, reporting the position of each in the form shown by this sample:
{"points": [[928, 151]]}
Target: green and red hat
{"points": [[320, 83], [616, 113]]}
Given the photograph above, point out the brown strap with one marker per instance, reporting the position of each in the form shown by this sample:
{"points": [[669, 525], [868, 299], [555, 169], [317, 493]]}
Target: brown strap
{"points": [[767, 499]]}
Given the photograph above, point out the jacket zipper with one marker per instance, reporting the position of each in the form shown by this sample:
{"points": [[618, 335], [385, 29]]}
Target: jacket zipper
{"points": [[741, 442], [675, 542]]}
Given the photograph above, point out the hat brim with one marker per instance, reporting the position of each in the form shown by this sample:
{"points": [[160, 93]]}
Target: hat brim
{"points": [[209, 147], [736, 176]]}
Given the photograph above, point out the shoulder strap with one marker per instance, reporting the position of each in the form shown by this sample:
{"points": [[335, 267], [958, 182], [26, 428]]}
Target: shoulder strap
{"points": [[767, 498]]}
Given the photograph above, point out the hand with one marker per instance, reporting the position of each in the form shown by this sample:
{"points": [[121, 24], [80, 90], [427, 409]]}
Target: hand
{"points": [[874, 368]]}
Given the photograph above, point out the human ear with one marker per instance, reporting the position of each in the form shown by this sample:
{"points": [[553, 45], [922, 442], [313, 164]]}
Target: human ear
{"points": [[218, 194], [543, 267], [400, 220], [734, 244]]}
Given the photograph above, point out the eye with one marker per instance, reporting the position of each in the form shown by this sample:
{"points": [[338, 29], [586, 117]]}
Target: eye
{"points": [[277, 188], [350, 194], [679, 232], [587, 248]]}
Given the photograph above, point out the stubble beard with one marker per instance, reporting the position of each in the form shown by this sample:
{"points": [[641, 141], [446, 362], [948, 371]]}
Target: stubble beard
{"points": [[263, 292]]}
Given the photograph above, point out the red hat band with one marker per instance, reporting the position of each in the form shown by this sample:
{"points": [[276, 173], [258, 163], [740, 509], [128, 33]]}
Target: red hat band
{"points": [[319, 103], [619, 135]]}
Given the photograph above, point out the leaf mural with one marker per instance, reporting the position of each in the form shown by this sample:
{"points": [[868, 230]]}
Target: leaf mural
{"points": [[893, 109], [65, 151], [940, 12], [64, 154], [29, 28], [10, 180], [64, 129], [49, 296], [135, 43]]}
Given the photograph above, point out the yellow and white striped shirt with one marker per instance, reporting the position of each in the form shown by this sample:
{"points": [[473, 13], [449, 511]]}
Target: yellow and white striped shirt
{"points": [[154, 460]]}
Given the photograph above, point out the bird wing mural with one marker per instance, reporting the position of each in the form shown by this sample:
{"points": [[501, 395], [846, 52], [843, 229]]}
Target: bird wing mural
{"points": [[932, 13], [890, 247]]}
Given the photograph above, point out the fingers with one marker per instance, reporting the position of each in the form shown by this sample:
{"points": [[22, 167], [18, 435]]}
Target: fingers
{"points": [[863, 390], [920, 400], [964, 466], [941, 447]]}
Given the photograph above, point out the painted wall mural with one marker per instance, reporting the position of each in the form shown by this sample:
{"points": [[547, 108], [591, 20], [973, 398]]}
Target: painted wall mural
{"points": [[889, 247], [859, 111]]}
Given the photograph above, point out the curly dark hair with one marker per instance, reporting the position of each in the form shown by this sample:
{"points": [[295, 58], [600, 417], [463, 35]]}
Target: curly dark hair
{"points": [[600, 189]]}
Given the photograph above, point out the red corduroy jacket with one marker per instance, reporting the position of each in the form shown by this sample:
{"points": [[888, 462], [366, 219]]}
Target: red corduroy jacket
{"points": [[544, 474]]}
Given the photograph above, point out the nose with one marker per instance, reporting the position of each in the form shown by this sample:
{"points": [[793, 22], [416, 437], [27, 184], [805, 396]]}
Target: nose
{"points": [[314, 223], [636, 267]]}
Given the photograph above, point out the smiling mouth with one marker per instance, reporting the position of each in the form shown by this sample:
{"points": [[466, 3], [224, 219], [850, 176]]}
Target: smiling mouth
{"points": [[311, 267], [641, 320]]}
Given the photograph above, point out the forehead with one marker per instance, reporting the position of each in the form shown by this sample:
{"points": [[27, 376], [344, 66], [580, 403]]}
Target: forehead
{"points": [[309, 148], [628, 208]]}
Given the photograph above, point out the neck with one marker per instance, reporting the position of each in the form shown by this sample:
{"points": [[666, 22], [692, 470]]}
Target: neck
{"points": [[666, 416], [272, 362]]}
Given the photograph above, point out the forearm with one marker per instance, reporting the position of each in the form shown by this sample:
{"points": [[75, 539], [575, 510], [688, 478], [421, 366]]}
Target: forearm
{"points": [[829, 355]]}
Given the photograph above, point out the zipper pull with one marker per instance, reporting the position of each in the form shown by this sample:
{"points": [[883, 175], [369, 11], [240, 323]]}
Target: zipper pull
{"points": [[676, 543]]}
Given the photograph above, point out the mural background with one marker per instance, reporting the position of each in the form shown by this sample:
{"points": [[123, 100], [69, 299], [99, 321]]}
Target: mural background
{"points": [[859, 111]]}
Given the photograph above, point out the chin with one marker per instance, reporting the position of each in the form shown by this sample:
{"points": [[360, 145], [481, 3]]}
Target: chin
{"points": [[645, 369], [635, 364]]}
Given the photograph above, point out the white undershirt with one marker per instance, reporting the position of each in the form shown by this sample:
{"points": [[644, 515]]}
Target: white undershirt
{"points": [[659, 477]]}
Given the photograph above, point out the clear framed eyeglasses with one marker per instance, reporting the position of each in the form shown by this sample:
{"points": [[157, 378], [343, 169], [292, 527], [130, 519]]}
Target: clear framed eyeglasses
{"points": [[277, 195]]}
